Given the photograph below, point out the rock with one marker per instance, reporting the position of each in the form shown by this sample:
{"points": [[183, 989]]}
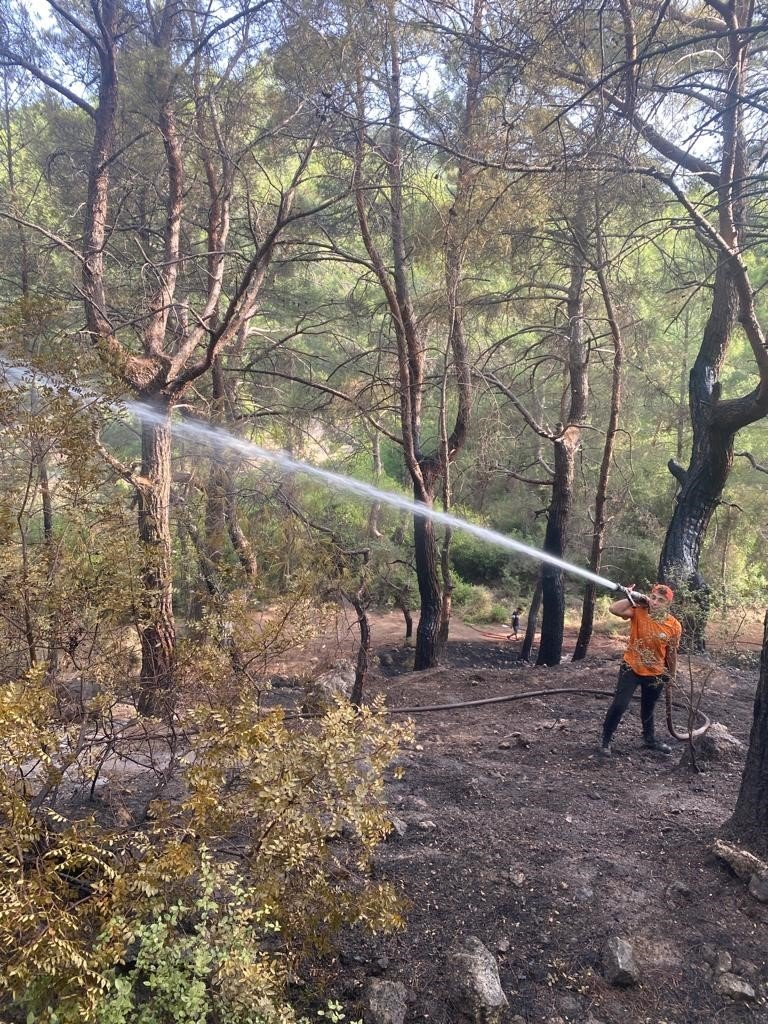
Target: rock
{"points": [[336, 683], [741, 862], [708, 954], [399, 827], [746, 969], [758, 887], [380, 965], [505, 745], [474, 981], [386, 660], [427, 825], [619, 963], [735, 988], [722, 962], [718, 745], [385, 1002], [680, 889], [503, 944], [284, 682], [415, 803]]}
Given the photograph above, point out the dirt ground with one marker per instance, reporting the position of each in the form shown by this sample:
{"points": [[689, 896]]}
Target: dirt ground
{"points": [[515, 831]]}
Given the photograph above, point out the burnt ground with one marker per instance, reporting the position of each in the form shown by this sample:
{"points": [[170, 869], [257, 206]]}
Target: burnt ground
{"points": [[516, 832]]}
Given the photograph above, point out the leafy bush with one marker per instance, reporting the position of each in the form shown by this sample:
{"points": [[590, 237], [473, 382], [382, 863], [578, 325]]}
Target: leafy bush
{"points": [[476, 561], [477, 604], [298, 806]]}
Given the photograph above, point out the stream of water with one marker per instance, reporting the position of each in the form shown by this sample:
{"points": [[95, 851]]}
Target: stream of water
{"points": [[221, 439]]}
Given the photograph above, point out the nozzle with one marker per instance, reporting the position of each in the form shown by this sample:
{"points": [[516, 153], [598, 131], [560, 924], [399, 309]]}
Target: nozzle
{"points": [[633, 596]]}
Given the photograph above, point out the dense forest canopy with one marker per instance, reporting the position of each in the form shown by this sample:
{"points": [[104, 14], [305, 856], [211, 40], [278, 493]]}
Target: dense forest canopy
{"points": [[412, 243]]}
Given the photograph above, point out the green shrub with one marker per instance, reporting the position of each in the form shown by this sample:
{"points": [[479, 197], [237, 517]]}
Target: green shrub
{"points": [[150, 924], [477, 604]]}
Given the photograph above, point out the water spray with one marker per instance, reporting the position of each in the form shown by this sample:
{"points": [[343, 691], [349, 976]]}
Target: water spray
{"points": [[248, 450]]}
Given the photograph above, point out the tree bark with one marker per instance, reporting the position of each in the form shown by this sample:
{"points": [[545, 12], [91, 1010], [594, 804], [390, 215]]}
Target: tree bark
{"points": [[601, 493], [565, 448], [157, 629], [428, 576], [530, 625], [749, 822], [400, 603]]}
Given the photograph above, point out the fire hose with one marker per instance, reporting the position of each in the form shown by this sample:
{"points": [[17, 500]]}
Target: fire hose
{"points": [[565, 691]]}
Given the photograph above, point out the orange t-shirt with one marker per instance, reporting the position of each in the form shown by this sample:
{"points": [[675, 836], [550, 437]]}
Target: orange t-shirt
{"points": [[649, 641]]}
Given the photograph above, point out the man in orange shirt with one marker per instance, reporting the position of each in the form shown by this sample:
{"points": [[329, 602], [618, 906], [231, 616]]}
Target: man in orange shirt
{"points": [[649, 661]]}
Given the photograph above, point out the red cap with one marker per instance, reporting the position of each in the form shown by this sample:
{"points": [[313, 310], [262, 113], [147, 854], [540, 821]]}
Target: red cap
{"points": [[663, 591]]}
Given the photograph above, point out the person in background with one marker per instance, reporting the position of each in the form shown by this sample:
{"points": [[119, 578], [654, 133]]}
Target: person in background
{"points": [[516, 622], [650, 660]]}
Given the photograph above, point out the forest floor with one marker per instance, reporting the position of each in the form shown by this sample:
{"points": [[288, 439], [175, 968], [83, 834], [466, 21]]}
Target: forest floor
{"points": [[512, 829]]}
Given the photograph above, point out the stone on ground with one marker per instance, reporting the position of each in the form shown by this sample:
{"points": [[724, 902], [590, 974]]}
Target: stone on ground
{"points": [[385, 1002], [619, 962], [474, 981], [337, 682]]}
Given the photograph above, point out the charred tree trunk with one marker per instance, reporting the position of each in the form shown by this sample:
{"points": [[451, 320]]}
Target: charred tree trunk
{"points": [[749, 823], [359, 603], [552, 590], [157, 629], [530, 625], [428, 576], [565, 445], [702, 483], [400, 603], [601, 495], [447, 598]]}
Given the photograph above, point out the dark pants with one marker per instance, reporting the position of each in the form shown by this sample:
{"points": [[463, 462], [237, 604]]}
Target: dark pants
{"points": [[649, 694]]}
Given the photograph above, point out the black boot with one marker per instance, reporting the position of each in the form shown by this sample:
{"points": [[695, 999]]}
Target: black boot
{"points": [[605, 750], [651, 743]]}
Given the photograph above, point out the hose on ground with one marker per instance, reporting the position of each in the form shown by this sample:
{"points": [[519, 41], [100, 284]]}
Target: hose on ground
{"points": [[561, 691]]}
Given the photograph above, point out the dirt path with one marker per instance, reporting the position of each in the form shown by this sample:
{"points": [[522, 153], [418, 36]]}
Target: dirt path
{"points": [[515, 831]]}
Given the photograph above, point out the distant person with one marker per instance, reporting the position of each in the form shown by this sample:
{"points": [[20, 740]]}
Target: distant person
{"points": [[516, 622], [649, 661]]}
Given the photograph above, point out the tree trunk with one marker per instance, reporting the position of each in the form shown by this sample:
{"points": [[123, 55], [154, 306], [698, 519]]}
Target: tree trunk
{"points": [[240, 542], [157, 628], [530, 626], [552, 590], [749, 823], [428, 576], [400, 603], [374, 516], [447, 598], [601, 494], [215, 531], [565, 446], [359, 603]]}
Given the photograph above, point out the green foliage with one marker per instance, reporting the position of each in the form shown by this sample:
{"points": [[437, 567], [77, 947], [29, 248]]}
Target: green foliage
{"points": [[478, 604], [476, 561], [201, 935]]}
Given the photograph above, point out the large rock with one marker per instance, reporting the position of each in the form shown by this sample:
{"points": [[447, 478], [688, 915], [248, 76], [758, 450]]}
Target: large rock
{"points": [[474, 982], [735, 988], [717, 745], [385, 1002], [336, 683], [619, 962], [758, 886]]}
